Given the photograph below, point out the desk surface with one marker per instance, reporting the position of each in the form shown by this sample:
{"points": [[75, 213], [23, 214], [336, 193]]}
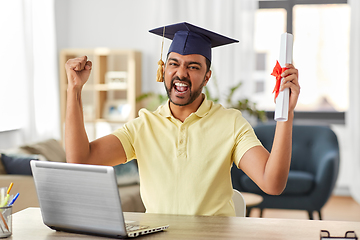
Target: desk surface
{"points": [[27, 224]]}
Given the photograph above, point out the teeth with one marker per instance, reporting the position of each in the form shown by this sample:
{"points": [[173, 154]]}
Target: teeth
{"points": [[180, 84]]}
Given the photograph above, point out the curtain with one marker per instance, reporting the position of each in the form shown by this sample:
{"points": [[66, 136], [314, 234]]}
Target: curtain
{"points": [[11, 65], [31, 66], [353, 115], [232, 18], [46, 105]]}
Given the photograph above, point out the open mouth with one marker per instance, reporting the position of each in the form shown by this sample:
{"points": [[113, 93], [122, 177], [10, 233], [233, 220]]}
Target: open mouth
{"points": [[181, 87]]}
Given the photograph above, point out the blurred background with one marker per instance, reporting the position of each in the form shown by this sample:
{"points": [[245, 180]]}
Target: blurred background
{"points": [[326, 52]]}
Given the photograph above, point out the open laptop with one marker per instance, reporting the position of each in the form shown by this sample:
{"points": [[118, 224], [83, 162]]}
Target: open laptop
{"points": [[83, 199]]}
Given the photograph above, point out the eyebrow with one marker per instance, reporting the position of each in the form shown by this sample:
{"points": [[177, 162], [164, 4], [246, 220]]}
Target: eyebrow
{"points": [[173, 59]]}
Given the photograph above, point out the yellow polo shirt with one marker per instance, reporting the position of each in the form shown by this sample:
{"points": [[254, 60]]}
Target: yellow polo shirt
{"points": [[184, 167]]}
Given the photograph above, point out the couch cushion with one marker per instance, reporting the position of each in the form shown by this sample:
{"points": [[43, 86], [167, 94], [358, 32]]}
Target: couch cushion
{"points": [[298, 183], [13, 152], [50, 149], [17, 164], [2, 168]]}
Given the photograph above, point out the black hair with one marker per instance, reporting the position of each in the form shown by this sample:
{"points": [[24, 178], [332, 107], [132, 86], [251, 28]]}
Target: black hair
{"points": [[208, 65]]}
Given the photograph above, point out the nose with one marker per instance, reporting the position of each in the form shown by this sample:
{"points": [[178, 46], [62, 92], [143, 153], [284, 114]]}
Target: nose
{"points": [[182, 72]]}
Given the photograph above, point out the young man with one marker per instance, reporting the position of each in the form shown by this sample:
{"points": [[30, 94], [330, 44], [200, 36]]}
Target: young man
{"points": [[185, 149]]}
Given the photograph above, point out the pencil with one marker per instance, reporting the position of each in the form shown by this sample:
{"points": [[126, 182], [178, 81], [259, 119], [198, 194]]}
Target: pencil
{"points": [[3, 219], [5, 201]]}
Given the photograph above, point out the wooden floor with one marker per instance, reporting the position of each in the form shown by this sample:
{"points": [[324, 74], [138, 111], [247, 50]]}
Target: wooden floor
{"points": [[338, 208]]}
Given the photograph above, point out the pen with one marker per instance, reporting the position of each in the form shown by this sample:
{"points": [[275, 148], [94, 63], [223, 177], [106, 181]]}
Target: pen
{"points": [[9, 188], [6, 199], [4, 203], [13, 200]]}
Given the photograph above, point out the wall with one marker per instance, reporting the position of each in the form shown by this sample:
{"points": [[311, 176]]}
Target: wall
{"points": [[112, 24], [344, 178], [125, 24], [10, 139]]}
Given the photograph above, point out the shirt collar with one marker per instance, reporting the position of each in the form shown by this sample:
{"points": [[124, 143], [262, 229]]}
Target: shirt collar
{"points": [[201, 112], [165, 110], [204, 108]]}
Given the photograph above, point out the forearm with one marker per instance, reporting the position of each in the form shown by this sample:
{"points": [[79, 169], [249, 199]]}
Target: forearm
{"points": [[76, 140], [270, 170], [277, 167]]}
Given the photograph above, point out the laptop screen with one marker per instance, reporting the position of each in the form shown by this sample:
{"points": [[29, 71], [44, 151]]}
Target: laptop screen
{"points": [[79, 198]]}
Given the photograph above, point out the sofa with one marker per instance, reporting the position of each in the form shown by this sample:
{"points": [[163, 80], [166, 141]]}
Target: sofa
{"points": [[313, 171], [15, 168]]}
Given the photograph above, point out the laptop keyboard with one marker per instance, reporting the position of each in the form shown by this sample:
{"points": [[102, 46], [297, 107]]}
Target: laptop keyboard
{"points": [[134, 227]]}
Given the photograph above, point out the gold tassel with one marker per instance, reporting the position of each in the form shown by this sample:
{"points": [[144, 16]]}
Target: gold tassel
{"points": [[160, 71]]}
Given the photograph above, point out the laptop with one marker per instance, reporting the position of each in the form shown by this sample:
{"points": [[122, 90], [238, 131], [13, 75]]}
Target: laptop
{"points": [[81, 198]]}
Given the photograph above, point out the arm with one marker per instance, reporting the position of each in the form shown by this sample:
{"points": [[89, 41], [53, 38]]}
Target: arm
{"points": [[270, 170], [104, 151]]}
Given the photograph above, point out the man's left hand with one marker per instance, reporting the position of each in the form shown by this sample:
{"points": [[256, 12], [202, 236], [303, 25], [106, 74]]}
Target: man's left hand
{"points": [[290, 80]]}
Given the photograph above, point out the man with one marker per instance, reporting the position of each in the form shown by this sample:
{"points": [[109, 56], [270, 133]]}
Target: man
{"points": [[185, 149]]}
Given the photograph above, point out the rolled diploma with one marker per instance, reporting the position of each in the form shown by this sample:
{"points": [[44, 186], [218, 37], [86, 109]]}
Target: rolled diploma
{"points": [[282, 100]]}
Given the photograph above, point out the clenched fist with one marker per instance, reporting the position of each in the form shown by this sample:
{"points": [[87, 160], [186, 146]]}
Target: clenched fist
{"points": [[78, 71]]}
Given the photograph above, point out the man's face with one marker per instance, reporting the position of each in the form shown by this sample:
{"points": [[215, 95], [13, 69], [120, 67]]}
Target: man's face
{"points": [[185, 76]]}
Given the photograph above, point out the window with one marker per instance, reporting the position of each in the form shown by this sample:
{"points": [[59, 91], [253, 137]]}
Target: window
{"points": [[11, 66], [321, 51], [269, 25]]}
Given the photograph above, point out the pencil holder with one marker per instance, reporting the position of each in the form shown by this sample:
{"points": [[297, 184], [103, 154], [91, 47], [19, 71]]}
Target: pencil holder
{"points": [[5, 221]]}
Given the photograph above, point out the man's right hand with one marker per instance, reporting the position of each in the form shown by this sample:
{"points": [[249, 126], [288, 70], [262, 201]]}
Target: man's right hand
{"points": [[78, 71]]}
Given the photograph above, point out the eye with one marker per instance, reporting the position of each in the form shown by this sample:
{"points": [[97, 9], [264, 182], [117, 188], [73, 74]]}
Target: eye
{"points": [[194, 67], [173, 64]]}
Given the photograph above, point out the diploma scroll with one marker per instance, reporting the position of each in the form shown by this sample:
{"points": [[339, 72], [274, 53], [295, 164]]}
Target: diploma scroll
{"points": [[282, 100]]}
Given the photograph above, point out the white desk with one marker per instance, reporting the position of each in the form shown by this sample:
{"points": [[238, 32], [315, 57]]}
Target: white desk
{"points": [[27, 224]]}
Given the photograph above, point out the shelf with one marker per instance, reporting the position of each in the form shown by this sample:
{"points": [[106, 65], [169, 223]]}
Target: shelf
{"points": [[109, 87], [104, 120], [100, 120], [115, 78]]}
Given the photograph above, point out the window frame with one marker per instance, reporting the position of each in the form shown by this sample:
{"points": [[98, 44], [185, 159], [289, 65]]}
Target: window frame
{"points": [[304, 117]]}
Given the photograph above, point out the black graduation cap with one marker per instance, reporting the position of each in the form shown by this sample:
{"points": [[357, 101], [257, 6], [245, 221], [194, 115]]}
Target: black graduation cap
{"points": [[190, 39]]}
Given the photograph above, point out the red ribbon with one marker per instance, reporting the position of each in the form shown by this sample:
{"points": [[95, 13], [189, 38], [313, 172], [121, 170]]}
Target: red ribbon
{"points": [[277, 71]]}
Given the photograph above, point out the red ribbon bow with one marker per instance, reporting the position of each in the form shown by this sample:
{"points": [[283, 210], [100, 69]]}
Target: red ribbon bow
{"points": [[277, 71]]}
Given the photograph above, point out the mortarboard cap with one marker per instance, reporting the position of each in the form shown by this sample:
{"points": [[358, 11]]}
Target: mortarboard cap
{"points": [[190, 39]]}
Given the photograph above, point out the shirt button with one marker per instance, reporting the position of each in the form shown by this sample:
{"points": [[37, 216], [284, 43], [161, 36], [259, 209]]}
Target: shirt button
{"points": [[181, 141]]}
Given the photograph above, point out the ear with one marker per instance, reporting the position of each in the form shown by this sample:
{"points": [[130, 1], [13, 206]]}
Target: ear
{"points": [[207, 77]]}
